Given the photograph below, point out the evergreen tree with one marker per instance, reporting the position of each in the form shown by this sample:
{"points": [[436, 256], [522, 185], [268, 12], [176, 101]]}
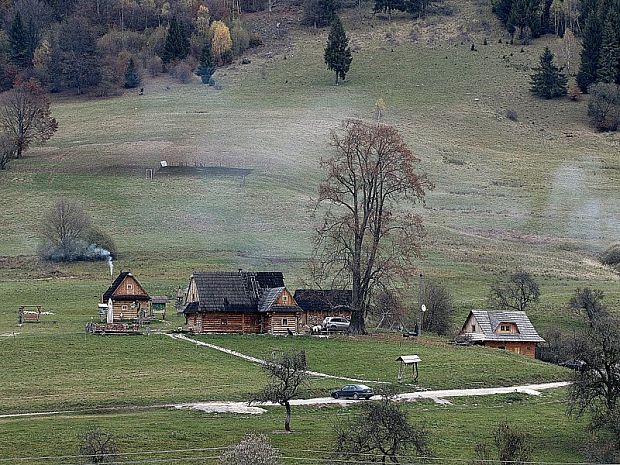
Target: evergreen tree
{"points": [[338, 53], [18, 41], [80, 62], [590, 53], [549, 81], [206, 67], [132, 78], [177, 44], [319, 13], [610, 53]]}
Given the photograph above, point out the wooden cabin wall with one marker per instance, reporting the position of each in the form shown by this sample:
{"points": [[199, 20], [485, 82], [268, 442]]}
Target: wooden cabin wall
{"points": [[316, 317], [281, 323], [523, 348], [221, 322]]}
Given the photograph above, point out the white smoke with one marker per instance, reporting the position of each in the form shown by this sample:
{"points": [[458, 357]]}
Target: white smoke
{"points": [[111, 265]]}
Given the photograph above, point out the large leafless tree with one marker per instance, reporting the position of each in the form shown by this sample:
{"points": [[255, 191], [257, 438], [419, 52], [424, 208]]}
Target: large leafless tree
{"points": [[25, 116], [369, 236]]}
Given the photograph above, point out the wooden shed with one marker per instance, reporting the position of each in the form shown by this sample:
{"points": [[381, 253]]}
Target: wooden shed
{"points": [[318, 304], [128, 298]]}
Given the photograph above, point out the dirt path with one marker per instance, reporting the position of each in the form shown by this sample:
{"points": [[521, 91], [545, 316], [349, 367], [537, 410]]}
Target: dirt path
{"points": [[257, 408], [262, 362]]}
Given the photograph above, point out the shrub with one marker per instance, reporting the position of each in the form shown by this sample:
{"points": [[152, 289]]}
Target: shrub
{"points": [[240, 38], [98, 446], [254, 449], [154, 65], [512, 115], [604, 106], [183, 71], [611, 256]]}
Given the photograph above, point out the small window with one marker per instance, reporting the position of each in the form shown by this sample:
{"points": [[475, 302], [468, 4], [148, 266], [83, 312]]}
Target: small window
{"points": [[284, 322], [224, 322], [504, 328], [129, 286], [124, 308], [284, 298], [473, 328]]}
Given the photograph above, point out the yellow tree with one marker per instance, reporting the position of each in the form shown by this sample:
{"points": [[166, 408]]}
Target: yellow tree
{"points": [[221, 41]]}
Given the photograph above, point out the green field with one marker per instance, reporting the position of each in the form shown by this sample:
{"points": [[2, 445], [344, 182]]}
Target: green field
{"points": [[454, 430], [541, 193]]}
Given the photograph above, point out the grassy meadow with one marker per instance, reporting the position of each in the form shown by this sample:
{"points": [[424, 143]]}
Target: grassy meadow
{"points": [[541, 192]]}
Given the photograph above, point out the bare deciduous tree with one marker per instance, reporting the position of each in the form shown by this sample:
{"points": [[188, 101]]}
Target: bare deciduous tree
{"points": [[286, 375], [515, 293], [381, 433], [254, 449], [438, 315], [512, 447], [596, 387], [369, 234], [98, 446], [65, 222], [25, 115]]}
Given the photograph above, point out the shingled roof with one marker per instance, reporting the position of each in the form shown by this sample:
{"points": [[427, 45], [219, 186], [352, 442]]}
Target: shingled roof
{"points": [[117, 282], [232, 291], [322, 299], [488, 323], [268, 303]]}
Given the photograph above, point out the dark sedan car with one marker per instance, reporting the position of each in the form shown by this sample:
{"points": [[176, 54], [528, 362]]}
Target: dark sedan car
{"points": [[353, 391]]}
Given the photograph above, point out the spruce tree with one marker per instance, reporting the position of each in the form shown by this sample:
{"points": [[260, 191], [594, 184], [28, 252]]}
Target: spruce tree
{"points": [[610, 53], [590, 53], [177, 44], [18, 41], [206, 67], [338, 53], [548, 81], [132, 78]]}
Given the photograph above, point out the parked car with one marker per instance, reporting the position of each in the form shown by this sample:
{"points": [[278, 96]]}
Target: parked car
{"points": [[335, 323], [353, 391]]}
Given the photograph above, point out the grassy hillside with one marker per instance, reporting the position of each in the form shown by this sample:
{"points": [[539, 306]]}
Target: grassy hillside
{"points": [[540, 192]]}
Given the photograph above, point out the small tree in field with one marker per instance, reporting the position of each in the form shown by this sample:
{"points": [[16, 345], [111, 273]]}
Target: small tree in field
{"points": [[439, 309], [98, 446], [515, 293], [25, 116], [132, 78], [549, 81], [286, 375], [206, 67], [221, 42], [381, 433], [338, 53], [511, 447], [254, 449], [604, 106]]}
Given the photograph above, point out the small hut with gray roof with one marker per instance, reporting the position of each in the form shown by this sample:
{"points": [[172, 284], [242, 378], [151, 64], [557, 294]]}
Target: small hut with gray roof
{"points": [[240, 302], [506, 330]]}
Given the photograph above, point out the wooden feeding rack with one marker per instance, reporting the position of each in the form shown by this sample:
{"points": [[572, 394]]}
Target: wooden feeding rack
{"points": [[30, 314], [406, 360]]}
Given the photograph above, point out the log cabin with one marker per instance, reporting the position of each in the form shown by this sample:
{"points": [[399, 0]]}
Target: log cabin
{"points": [[128, 298], [508, 330], [318, 304], [242, 302]]}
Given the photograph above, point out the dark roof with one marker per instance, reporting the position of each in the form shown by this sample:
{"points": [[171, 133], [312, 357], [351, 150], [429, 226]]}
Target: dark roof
{"points": [[191, 307], [284, 309], [117, 282], [128, 297], [159, 299], [232, 291], [268, 303], [322, 299], [489, 321], [269, 279]]}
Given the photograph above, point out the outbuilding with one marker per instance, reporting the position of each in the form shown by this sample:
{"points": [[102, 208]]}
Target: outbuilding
{"points": [[126, 299], [508, 330]]}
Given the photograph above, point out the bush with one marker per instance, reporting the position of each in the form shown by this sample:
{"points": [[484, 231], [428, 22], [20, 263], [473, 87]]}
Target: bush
{"points": [[154, 65], [183, 71], [240, 38], [98, 446], [512, 115], [604, 106], [611, 256], [254, 449]]}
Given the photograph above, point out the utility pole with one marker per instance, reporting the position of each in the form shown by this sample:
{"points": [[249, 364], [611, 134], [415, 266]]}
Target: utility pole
{"points": [[420, 305]]}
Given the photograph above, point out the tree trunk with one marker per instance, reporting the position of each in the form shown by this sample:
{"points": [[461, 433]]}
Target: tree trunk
{"points": [[287, 419], [336, 77]]}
